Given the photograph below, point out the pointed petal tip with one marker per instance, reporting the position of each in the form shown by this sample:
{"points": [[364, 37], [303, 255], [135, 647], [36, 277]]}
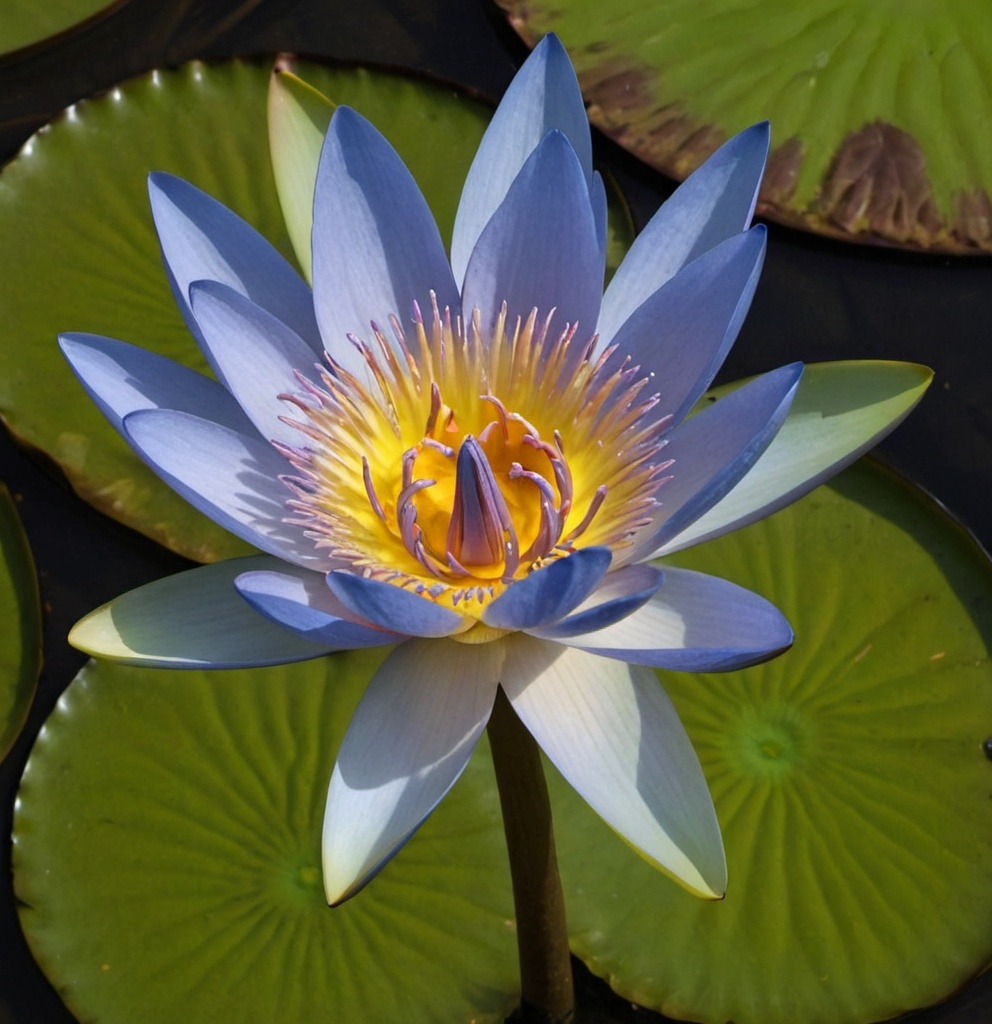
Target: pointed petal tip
{"points": [[165, 184], [758, 134]]}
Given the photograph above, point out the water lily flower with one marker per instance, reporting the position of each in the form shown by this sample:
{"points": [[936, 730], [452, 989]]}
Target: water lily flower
{"points": [[476, 462]]}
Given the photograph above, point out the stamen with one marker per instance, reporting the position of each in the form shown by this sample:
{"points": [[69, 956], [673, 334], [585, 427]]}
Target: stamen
{"points": [[370, 490], [501, 413], [446, 450], [594, 507], [435, 409]]}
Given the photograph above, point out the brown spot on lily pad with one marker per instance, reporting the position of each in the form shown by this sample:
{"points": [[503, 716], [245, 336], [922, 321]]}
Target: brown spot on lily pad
{"points": [[782, 173], [878, 184], [620, 103], [973, 219]]}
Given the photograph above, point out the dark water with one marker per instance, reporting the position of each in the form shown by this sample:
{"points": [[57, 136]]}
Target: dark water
{"points": [[817, 300]]}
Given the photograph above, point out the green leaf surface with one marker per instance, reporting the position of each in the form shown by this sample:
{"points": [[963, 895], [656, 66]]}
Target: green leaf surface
{"points": [[24, 22], [167, 856], [20, 614], [878, 110], [848, 775], [89, 259]]}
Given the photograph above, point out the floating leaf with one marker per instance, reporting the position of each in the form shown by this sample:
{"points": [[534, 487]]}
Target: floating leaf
{"points": [[20, 613], [25, 22], [849, 778], [879, 124], [76, 198], [167, 856]]}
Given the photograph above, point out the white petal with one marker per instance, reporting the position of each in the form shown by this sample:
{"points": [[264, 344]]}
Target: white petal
{"points": [[409, 740], [195, 619], [611, 730]]}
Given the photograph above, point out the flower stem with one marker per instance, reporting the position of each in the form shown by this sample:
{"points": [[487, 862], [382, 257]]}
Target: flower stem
{"points": [[547, 993]]}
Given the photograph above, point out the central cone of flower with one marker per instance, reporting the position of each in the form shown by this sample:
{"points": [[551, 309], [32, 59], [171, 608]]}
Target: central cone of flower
{"points": [[466, 459]]}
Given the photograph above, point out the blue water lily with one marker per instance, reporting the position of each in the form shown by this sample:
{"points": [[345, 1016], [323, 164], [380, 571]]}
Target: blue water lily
{"points": [[476, 462]]}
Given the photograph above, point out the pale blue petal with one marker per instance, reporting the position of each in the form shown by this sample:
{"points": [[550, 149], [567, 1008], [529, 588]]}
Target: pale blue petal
{"points": [[122, 378], [255, 356], [376, 248], [840, 411], [544, 95], [712, 452], [600, 213], [301, 601], [550, 593], [541, 249], [202, 239], [408, 741], [230, 477], [195, 619], [681, 335], [694, 623], [620, 594], [714, 203], [611, 730], [393, 608]]}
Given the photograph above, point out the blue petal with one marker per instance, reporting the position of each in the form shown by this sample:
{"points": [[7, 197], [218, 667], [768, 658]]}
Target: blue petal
{"points": [[620, 594], [543, 96], [123, 378], [393, 608], [840, 411], [376, 248], [254, 354], [714, 203], [694, 623], [203, 240], [683, 332], [302, 602], [541, 248], [712, 451], [230, 477], [548, 594]]}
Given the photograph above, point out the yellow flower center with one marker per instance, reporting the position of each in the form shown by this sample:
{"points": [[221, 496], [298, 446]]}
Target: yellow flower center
{"points": [[462, 462]]}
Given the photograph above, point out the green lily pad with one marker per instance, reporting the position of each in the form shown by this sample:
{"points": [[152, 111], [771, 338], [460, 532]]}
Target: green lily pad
{"points": [[849, 778], [167, 860], [89, 260], [20, 613], [25, 22], [879, 113]]}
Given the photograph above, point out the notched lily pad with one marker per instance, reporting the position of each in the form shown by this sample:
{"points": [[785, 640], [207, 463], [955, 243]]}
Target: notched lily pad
{"points": [[849, 777], [20, 613], [167, 861], [76, 198], [877, 122]]}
